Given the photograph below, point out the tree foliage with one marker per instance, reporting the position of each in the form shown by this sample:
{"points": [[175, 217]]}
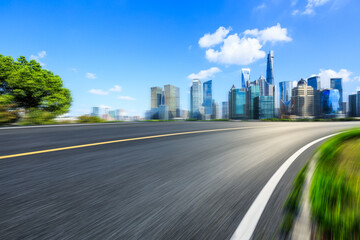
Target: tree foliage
{"points": [[28, 85]]}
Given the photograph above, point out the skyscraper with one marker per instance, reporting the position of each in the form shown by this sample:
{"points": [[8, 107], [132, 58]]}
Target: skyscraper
{"points": [[264, 107], [253, 91], [196, 108], [225, 110], [285, 97], [314, 82], [245, 76], [215, 110], [270, 68], [156, 95], [171, 97], [237, 103], [95, 112], [336, 83], [207, 99], [302, 100], [262, 83], [328, 101]]}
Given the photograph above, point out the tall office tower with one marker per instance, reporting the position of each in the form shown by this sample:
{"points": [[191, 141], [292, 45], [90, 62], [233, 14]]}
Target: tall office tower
{"points": [[207, 99], [262, 83], [314, 82], [178, 110], [302, 100], [327, 103], [120, 113], [285, 97], [352, 105], [358, 103], [253, 91], [225, 110], [215, 110], [171, 99], [264, 107], [196, 108], [270, 68], [95, 112], [336, 83], [156, 96], [245, 77], [237, 103]]}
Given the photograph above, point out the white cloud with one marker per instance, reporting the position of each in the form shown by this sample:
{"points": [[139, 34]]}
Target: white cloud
{"points": [[204, 74], [98, 92], [261, 6], [39, 56], [295, 12], [357, 78], [102, 106], [326, 74], [242, 49], [236, 50], [116, 88], [271, 34], [126, 98], [90, 75], [209, 40], [294, 2], [312, 4], [74, 70]]}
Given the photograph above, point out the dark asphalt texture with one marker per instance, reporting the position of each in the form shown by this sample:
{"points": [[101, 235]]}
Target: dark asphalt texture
{"points": [[196, 186]]}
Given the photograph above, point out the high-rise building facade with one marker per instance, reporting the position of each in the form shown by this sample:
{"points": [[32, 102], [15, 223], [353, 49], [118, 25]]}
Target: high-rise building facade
{"points": [[196, 108], [358, 103], [215, 110], [302, 100], [225, 110], [156, 96], [253, 91], [270, 68], [328, 103], [336, 83], [172, 100], [207, 99], [264, 107], [263, 85], [285, 89], [95, 112], [245, 77], [314, 82], [237, 103]]}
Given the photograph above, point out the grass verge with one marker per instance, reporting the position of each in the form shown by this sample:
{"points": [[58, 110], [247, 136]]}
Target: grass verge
{"points": [[292, 203], [335, 188]]}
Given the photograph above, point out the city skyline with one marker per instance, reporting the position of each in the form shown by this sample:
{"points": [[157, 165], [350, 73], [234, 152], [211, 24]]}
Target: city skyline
{"points": [[100, 52]]}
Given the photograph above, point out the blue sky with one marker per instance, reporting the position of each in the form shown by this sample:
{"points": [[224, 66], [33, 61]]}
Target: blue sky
{"points": [[110, 53]]}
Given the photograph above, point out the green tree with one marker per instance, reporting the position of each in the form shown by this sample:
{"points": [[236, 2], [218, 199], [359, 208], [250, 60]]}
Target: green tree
{"points": [[29, 86]]}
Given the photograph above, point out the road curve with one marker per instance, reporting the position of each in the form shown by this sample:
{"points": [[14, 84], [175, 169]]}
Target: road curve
{"points": [[193, 186]]}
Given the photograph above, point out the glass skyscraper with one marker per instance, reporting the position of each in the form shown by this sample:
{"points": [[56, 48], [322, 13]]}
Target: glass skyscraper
{"points": [[245, 77], [328, 100], [156, 97], [207, 98], [270, 68], [336, 83], [196, 108], [352, 105], [225, 110], [253, 91], [172, 100], [285, 97], [95, 112], [237, 103], [314, 82], [263, 85], [264, 107]]}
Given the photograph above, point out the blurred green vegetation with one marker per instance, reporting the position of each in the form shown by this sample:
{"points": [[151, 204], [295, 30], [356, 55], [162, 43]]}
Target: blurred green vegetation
{"points": [[292, 203], [89, 119], [8, 114], [38, 117], [335, 188]]}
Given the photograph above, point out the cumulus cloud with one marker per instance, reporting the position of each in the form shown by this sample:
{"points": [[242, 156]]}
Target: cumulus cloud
{"points": [[116, 88], [209, 40], [326, 74], [245, 48], [126, 98], [236, 50], [39, 56], [204, 74], [98, 92], [90, 75], [271, 34], [310, 7]]}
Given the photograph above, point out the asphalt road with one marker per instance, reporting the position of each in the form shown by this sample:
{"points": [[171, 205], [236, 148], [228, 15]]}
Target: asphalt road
{"points": [[194, 186]]}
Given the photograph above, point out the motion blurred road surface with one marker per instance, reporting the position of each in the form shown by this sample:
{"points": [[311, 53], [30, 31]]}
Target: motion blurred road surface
{"points": [[194, 186]]}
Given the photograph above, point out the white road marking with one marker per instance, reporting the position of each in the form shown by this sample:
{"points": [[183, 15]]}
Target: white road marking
{"points": [[248, 224]]}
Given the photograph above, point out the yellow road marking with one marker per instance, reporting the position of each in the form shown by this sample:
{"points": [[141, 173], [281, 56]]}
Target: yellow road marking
{"points": [[117, 141]]}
